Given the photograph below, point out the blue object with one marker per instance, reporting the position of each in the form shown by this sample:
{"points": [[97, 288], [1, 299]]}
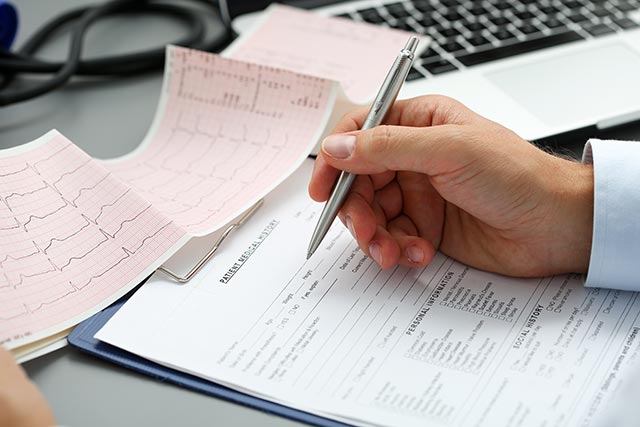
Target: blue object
{"points": [[82, 338], [8, 24]]}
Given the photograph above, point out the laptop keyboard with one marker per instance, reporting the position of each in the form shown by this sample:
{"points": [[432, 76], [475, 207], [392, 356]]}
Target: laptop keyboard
{"points": [[466, 33]]}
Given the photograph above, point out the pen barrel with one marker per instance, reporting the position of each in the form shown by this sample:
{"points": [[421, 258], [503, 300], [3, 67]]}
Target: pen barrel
{"points": [[381, 105], [389, 90], [331, 208]]}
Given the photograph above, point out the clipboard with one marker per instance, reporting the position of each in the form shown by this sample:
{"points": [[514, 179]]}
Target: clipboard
{"points": [[82, 338]]}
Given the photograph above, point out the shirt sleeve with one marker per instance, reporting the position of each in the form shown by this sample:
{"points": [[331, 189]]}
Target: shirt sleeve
{"points": [[615, 249]]}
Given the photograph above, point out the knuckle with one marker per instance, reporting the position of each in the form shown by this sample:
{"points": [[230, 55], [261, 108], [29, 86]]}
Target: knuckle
{"points": [[381, 140]]}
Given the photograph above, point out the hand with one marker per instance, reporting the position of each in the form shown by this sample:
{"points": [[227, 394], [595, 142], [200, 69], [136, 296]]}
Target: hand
{"points": [[21, 404], [440, 177]]}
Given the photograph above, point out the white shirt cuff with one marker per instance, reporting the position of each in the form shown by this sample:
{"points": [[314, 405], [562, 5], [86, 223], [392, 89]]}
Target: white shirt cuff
{"points": [[615, 249]]}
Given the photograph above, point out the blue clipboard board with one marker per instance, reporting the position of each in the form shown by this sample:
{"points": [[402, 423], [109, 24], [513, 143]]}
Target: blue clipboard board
{"points": [[82, 338]]}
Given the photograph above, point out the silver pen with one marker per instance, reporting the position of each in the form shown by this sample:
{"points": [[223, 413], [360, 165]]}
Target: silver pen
{"points": [[379, 109]]}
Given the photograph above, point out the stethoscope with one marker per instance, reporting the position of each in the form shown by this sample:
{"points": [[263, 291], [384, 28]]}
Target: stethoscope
{"points": [[23, 60]]}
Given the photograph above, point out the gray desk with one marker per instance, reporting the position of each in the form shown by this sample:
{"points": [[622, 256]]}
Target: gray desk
{"points": [[108, 119]]}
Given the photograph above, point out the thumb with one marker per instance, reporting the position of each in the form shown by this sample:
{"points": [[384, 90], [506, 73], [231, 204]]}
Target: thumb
{"points": [[397, 148]]}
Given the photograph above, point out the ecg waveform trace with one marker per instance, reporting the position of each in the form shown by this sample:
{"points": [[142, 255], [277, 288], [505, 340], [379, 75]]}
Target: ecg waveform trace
{"points": [[71, 234], [75, 232], [356, 54], [230, 132]]}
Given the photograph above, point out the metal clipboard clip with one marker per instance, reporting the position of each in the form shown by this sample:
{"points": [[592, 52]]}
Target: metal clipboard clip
{"points": [[244, 218]]}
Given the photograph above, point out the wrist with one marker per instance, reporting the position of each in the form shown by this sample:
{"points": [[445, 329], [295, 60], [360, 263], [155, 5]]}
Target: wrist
{"points": [[574, 198]]}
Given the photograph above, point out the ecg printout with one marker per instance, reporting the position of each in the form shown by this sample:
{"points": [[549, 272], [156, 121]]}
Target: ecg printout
{"points": [[76, 233], [227, 133], [224, 135], [71, 236], [444, 345], [356, 54]]}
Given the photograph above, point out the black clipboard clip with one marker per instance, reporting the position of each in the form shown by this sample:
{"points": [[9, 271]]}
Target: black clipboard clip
{"points": [[244, 218]]}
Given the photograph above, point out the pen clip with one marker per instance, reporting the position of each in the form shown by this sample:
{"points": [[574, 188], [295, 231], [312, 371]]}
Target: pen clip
{"points": [[198, 266]]}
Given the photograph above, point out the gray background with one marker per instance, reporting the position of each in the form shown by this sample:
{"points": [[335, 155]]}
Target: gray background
{"points": [[108, 118]]}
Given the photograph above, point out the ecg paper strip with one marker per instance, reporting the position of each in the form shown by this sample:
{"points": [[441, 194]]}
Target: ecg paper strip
{"points": [[356, 54], [229, 133], [71, 237], [76, 233]]}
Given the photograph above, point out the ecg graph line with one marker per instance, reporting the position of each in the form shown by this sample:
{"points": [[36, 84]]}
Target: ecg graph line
{"points": [[65, 213]]}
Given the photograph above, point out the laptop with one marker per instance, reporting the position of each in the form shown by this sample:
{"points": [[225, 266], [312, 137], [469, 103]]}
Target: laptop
{"points": [[540, 68]]}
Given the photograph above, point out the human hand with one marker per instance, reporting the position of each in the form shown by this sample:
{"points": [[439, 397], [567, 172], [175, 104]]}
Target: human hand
{"points": [[440, 177], [21, 404]]}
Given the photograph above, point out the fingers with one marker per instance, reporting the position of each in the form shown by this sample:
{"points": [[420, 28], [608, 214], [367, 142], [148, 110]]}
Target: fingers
{"points": [[430, 150], [388, 243], [323, 179], [428, 110], [379, 150], [414, 251], [9, 370]]}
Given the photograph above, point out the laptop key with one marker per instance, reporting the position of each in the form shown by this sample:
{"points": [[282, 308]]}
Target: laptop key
{"points": [[397, 10], [625, 23], [577, 17], [599, 29], [475, 27], [523, 15], [427, 21], [548, 9], [449, 32], [429, 55], [478, 10], [500, 21], [452, 46], [439, 67], [627, 7], [402, 25], [532, 45], [503, 34], [553, 23], [452, 15], [528, 29], [503, 5], [601, 12], [414, 75], [371, 15], [477, 40], [423, 6]]}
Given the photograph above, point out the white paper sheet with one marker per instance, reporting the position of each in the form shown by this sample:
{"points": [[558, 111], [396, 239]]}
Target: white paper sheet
{"points": [[335, 335]]}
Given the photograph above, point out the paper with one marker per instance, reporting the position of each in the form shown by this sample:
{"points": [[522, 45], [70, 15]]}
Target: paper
{"points": [[71, 236], [77, 233], [356, 54], [335, 335], [225, 134]]}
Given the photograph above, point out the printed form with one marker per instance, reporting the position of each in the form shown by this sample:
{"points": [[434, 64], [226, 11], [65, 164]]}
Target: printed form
{"points": [[445, 345]]}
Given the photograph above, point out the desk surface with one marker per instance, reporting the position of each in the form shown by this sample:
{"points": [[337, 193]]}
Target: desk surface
{"points": [[107, 119]]}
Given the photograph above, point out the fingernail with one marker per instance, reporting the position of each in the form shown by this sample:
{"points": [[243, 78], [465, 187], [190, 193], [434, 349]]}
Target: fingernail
{"points": [[415, 254], [339, 146], [350, 227], [374, 251]]}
